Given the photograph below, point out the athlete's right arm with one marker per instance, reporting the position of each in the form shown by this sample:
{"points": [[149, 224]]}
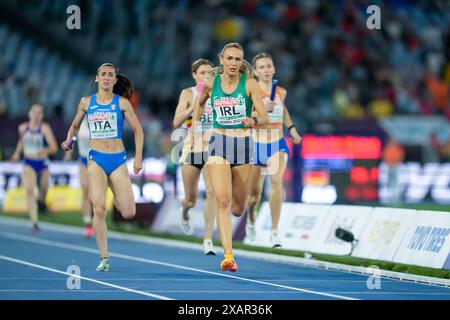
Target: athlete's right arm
{"points": [[184, 109], [199, 103], [75, 126], [19, 147], [254, 92]]}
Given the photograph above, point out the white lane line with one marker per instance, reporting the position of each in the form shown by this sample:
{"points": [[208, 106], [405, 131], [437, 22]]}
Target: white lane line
{"points": [[204, 279], [37, 266], [62, 245]]}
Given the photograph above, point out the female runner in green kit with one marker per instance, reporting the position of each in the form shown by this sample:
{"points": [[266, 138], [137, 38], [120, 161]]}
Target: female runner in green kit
{"points": [[234, 96]]}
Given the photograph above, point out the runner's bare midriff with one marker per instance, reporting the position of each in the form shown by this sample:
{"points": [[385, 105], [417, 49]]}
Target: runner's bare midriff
{"points": [[35, 156], [107, 145]]}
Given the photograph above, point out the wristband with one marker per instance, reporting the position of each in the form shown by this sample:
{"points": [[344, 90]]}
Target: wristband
{"points": [[293, 126], [256, 120]]}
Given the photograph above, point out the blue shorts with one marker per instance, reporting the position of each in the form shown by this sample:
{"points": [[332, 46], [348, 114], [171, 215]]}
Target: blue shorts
{"points": [[264, 151], [108, 161], [84, 160], [37, 165]]}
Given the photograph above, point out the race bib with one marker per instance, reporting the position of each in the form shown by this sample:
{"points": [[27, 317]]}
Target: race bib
{"points": [[207, 117], [103, 125], [229, 110], [276, 116], [33, 143]]}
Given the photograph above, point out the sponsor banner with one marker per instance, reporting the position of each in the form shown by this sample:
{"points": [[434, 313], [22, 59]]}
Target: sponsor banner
{"points": [[350, 218], [299, 225], [447, 262], [383, 233], [417, 183], [427, 240], [168, 217], [59, 199]]}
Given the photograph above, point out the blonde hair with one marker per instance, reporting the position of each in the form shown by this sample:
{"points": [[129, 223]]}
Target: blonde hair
{"points": [[260, 56], [246, 68]]}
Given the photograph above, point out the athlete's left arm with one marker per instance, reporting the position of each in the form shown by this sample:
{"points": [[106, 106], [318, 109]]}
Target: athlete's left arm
{"points": [[132, 119], [51, 140], [296, 138], [254, 93]]}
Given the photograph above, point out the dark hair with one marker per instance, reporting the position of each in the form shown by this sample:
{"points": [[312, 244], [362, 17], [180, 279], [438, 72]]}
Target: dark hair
{"points": [[245, 68], [200, 62], [124, 86], [108, 64]]}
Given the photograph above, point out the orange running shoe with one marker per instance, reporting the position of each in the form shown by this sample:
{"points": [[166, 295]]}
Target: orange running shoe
{"points": [[228, 263]]}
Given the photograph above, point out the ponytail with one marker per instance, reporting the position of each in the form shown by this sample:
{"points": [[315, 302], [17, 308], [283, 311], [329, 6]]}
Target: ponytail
{"points": [[123, 86], [246, 68]]}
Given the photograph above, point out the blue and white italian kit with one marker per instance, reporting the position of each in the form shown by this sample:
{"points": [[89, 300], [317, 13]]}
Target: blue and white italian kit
{"points": [[33, 144], [106, 122]]}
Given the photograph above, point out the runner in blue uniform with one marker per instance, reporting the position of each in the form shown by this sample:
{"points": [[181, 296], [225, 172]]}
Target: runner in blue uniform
{"points": [[105, 113], [37, 142]]}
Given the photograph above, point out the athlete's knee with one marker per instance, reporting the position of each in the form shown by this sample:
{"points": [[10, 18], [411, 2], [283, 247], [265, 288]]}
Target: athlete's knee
{"points": [[99, 211], [190, 201], [223, 201], [276, 183], [30, 192], [209, 193], [254, 199], [237, 209], [129, 212]]}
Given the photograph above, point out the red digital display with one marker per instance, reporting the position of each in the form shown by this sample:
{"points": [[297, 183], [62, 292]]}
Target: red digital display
{"points": [[348, 163], [342, 147], [363, 175]]}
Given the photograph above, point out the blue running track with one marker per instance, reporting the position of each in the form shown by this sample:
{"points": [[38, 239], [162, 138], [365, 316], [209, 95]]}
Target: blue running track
{"points": [[35, 266]]}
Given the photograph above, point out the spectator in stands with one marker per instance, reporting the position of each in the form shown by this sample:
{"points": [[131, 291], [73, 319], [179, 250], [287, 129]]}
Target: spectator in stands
{"points": [[445, 152], [329, 35], [393, 155], [433, 150]]}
